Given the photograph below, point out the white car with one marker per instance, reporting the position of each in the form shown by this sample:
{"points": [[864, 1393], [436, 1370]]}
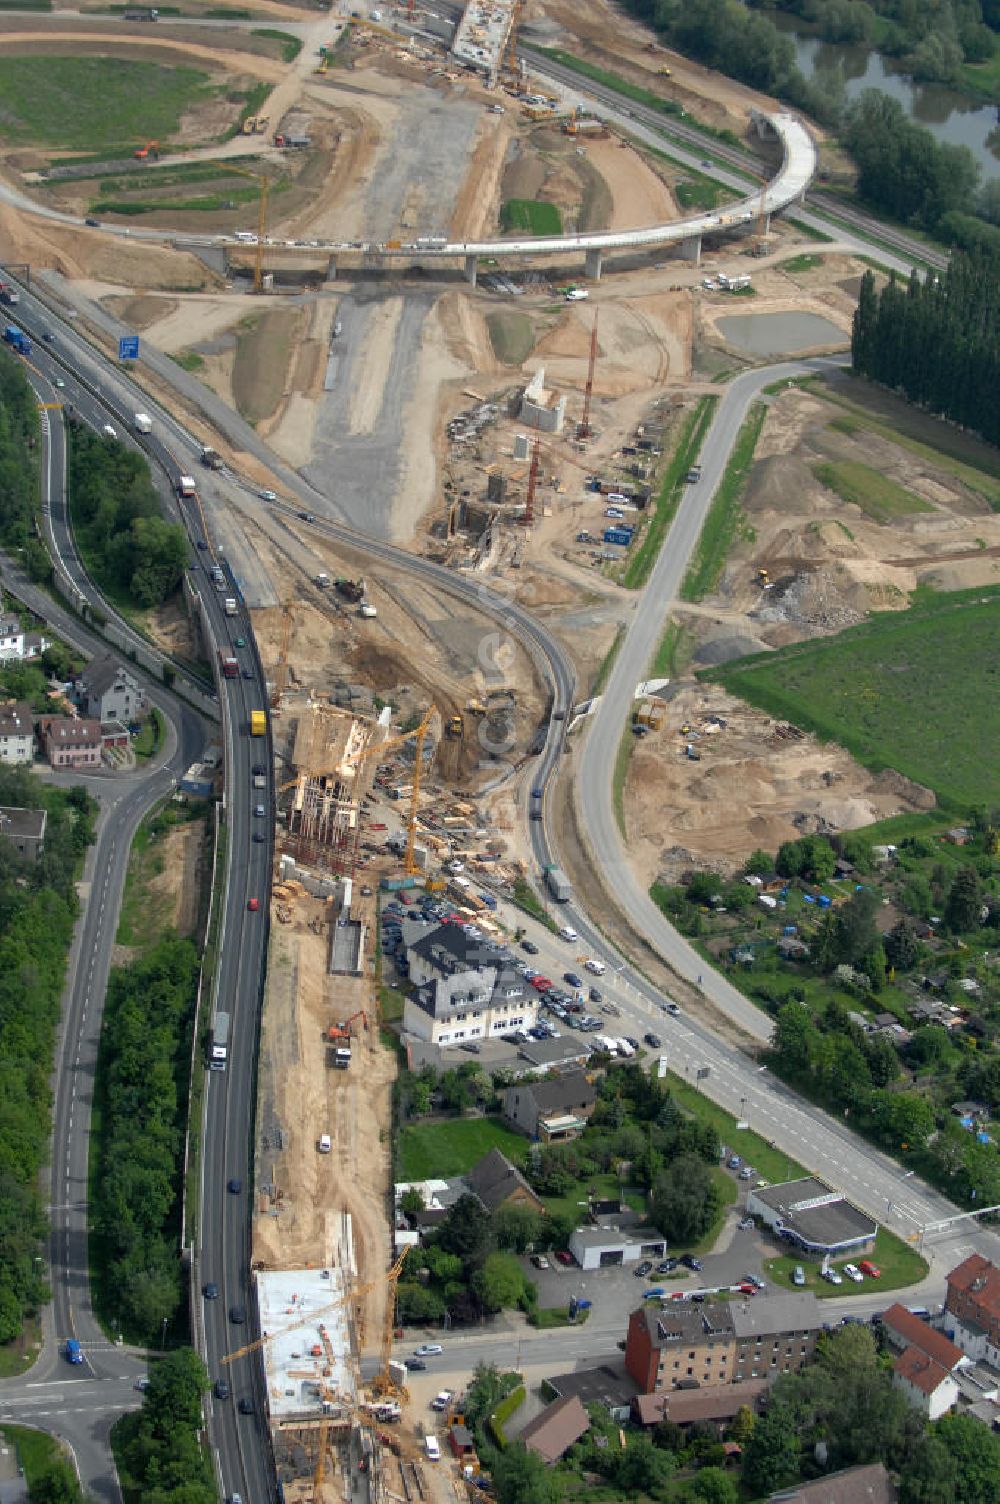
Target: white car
{"points": [[268, 495], [833, 1276], [596, 968], [433, 1448], [568, 933], [443, 1400], [428, 1350], [854, 1273]]}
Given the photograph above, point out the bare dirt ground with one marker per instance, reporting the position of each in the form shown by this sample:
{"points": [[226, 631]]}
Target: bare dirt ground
{"points": [[302, 1097]]}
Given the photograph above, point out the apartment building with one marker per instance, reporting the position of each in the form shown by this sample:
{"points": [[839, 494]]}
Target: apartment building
{"points": [[682, 1343]]}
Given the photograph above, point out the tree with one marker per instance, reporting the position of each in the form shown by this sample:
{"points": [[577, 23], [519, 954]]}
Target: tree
{"points": [[56, 1484], [516, 1227], [466, 1230], [741, 1429], [176, 1386], [685, 1200], [795, 1039], [771, 1456], [758, 864], [521, 1477], [928, 1476], [975, 1457], [903, 1119], [965, 901], [411, 1203], [488, 1387], [703, 886], [715, 1486], [418, 1303], [901, 945], [500, 1283]]}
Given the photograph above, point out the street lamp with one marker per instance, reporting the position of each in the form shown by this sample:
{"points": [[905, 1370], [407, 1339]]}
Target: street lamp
{"points": [[163, 1337]]}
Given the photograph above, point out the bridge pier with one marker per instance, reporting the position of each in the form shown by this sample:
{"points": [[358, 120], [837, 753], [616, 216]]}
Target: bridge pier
{"points": [[331, 269], [690, 249], [471, 268], [592, 266]]}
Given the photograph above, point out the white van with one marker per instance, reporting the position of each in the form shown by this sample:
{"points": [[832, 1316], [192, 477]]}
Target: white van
{"points": [[625, 1050], [597, 968], [325, 1144], [433, 1448]]}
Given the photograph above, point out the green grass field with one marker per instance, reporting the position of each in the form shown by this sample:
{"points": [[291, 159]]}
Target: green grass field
{"points": [[89, 103], [530, 216], [912, 690], [698, 193], [900, 1264], [878, 497], [725, 519], [437, 1150], [801, 263], [511, 335]]}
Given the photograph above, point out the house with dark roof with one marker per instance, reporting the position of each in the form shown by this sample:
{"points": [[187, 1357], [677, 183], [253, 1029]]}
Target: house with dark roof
{"points": [[17, 732], [106, 691], [551, 1434], [24, 829], [867, 1484], [462, 989], [972, 1308], [552, 1110], [496, 1182], [814, 1218]]}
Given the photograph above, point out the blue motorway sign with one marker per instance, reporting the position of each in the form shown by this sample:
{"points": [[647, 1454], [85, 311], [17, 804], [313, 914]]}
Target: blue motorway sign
{"points": [[128, 347]]}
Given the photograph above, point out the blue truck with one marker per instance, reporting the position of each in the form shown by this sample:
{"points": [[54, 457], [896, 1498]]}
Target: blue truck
{"points": [[17, 339], [620, 535]]}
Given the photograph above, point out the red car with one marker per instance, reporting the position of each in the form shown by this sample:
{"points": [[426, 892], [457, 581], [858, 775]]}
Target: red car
{"points": [[541, 984], [564, 1256], [746, 1288], [253, 904], [872, 1270]]}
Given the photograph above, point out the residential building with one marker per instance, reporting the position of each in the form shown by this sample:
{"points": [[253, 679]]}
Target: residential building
{"points": [[774, 1334], [814, 1218], [720, 1343], [496, 1183], [106, 691], [17, 645], [552, 1110], [17, 732], [462, 992], [608, 1384], [551, 1434], [610, 1247], [928, 1387], [680, 1343], [70, 743], [972, 1308], [24, 829], [718, 1405], [867, 1484], [902, 1330]]}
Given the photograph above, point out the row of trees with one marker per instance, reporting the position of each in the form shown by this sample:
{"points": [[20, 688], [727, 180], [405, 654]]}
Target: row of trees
{"points": [[931, 41], [937, 340], [38, 906], [130, 549], [19, 467], [158, 1449], [902, 170], [142, 1090]]}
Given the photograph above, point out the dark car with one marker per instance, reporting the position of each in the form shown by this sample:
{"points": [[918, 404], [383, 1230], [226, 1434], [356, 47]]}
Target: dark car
{"points": [[210, 1291], [245, 1406], [235, 1186], [93, 223], [529, 947], [653, 1040], [248, 673], [690, 1262], [202, 543], [596, 995], [237, 1315], [667, 1266], [416, 1365], [221, 1389], [572, 978], [641, 1270], [258, 838], [537, 792]]}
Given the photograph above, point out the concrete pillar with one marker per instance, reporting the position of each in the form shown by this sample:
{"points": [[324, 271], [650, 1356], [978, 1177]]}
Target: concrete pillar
{"points": [[593, 265], [690, 249], [471, 267], [331, 269]]}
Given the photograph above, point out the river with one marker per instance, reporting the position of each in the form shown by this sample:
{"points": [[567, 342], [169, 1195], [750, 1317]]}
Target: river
{"points": [[949, 116]]}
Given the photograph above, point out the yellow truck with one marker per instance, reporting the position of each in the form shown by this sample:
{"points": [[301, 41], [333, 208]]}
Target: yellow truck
{"points": [[258, 723]]}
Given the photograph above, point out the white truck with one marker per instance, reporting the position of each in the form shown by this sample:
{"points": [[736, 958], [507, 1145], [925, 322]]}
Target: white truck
{"points": [[323, 581], [219, 1052], [186, 485], [369, 612], [230, 606], [143, 423]]}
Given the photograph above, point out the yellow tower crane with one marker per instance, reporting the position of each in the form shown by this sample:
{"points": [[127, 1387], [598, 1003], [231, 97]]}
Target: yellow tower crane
{"points": [[383, 1383], [264, 188]]}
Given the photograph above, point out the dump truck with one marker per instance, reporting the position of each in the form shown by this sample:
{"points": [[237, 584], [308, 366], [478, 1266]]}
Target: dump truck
{"points": [[17, 339], [229, 665], [9, 295], [351, 590], [219, 1049], [558, 883], [211, 458], [258, 723], [143, 423], [454, 727]]}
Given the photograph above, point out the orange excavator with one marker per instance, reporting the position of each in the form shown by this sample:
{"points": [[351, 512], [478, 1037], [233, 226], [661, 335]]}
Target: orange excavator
{"points": [[150, 152], [337, 1033]]}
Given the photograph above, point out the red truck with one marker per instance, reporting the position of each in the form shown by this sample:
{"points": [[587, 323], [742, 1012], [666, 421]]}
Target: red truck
{"points": [[229, 665]]}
